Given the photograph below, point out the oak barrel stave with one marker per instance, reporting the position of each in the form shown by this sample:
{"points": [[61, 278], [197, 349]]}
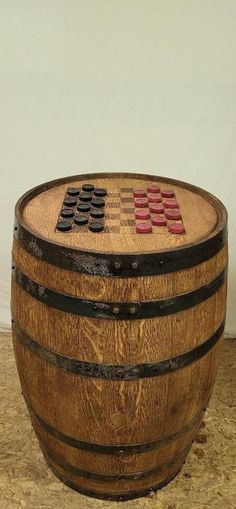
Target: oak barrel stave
{"points": [[137, 411]]}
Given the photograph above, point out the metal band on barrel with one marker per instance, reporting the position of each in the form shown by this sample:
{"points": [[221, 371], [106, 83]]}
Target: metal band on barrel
{"points": [[120, 450], [132, 476], [114, 496], [117, 371], [118, 310], [102, 264]]}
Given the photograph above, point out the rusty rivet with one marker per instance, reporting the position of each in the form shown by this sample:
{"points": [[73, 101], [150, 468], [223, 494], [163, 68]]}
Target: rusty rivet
{"points": [[120, 373], [117, 265], [116, 310], [134, 372], [134, 265]]}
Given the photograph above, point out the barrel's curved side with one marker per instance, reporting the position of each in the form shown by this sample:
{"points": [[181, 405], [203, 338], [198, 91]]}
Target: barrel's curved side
{"points": [[116, 397]]}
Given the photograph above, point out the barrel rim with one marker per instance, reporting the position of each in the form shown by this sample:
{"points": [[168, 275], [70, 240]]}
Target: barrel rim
{"points": [[187, 256]]}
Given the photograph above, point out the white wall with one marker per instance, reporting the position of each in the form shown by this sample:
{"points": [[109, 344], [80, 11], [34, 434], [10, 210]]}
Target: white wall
{"points": [[146, 85]]}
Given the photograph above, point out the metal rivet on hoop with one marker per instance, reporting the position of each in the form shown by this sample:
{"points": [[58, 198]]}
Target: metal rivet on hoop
{"points": [[134, 265], [116, 310], [151, 493], [117, 265]]}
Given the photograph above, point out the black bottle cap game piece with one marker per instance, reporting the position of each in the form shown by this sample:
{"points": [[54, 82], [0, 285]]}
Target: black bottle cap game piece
{"points": [[80, 220], [96, 227], [83, 207], [73, 191], [88, 188], [67, 213], [69, 201], [63, 226], [100, 192], [97, 213], [85, 197], [98, 202]]}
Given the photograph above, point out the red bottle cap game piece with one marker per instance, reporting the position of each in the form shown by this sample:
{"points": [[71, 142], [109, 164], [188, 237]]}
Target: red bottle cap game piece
{"points": [[159, 220], [142, 214], [176, 228], [143, 228], [171, 204], [173, 214], [140, 193], [157, 208], [153, 189], [154, 198], [141, 202], [167, 193]]}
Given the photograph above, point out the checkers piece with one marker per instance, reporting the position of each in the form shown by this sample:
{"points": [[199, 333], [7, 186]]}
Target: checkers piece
{"points": [[154, 198], [80, 220], [171, 204], [83, 207], [96, 227], [158, 220], [143, 228], [176, 228], [85, 197], [100, 192], [167, 193], [173, 214], [97, 213], [141, 202], [63, 226], [67, 213], [140, 193], [73, 191], [98, 202], [153, 189], [157, 208], [88, 188], [142, 214], [69, 201]]}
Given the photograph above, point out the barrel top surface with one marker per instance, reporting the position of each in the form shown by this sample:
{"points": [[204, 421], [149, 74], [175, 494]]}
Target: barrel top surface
{"points": [[120, 213]]}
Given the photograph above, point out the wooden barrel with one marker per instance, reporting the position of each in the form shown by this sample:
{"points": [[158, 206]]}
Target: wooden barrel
{"points": [[118, 309]]}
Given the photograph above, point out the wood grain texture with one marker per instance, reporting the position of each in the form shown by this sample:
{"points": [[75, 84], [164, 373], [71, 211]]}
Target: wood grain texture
{"points": [[117, 412]]}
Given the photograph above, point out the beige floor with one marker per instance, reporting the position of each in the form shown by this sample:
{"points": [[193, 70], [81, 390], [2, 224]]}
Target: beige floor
{"points": [[208, 479]]}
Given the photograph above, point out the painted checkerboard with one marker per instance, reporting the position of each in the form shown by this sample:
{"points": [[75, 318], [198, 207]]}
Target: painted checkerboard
{"points": [[152, 210]]}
